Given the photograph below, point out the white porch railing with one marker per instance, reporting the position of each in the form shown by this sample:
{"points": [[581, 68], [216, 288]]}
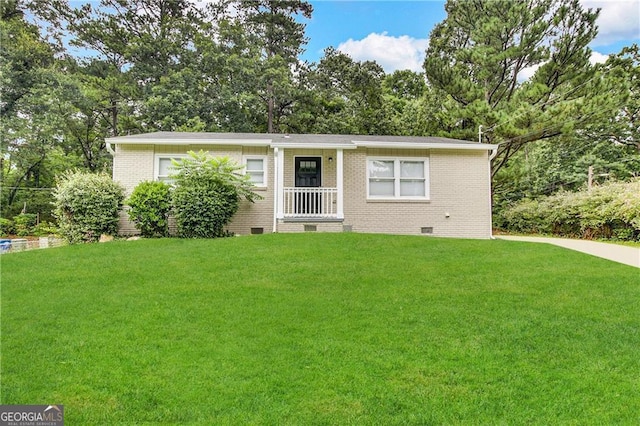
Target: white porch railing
{"points": [[310, 202]]}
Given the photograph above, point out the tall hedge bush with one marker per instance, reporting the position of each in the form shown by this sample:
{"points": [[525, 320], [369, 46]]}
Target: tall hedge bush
{"points": [[607, 211], [150, 204], [207, 194], [87, 205]]}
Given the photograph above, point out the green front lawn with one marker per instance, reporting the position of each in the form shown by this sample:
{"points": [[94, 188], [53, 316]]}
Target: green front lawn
{"points": [[322, 329]]}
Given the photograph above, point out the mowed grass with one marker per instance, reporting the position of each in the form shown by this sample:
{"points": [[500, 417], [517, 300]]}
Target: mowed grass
{"points": [[322, 329]]}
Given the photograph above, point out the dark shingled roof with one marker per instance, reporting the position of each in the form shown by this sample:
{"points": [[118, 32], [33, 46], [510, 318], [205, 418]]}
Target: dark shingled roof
{"points": [[295, 140]]}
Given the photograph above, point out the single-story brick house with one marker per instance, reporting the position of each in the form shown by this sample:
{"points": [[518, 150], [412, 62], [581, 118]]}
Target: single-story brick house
{"points": [[336, 183]]}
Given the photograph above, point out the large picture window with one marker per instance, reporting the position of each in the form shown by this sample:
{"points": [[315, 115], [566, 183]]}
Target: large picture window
{"points": [[398, 178]]}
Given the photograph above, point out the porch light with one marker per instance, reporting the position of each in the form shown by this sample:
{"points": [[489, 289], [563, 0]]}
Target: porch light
{"points": [[331, 159]]}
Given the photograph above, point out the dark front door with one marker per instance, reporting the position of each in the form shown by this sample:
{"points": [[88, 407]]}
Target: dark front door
{"points": [[308, 172], [308, 175]]}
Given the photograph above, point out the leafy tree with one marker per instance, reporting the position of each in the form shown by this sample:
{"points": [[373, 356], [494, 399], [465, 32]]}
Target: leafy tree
{"points": [[622, 124], [405, 84], [32, 111], [344, 96], [24, 56], [412, 107], [478, 53], [280, 37], [207, 194], [607, 143], [228, 61], [135, 44], [148, 37]]}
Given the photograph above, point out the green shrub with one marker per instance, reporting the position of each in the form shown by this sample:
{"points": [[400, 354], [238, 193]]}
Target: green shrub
{"points": [[24, 223], [86, 205], [150, 204], [44, 229], [207, 194], [608, 211], [6, 227]]}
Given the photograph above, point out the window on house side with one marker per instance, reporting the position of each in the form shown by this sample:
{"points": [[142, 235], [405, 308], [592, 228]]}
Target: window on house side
{"points": [[164, 167], [396, 178], [256, 168]]}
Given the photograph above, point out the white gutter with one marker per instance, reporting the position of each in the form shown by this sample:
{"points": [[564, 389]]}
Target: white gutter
{"points": [[427, 145], [312, 145], [130, 140]]}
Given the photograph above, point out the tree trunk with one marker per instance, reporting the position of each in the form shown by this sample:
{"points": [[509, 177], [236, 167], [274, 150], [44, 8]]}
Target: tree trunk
{"points": [[270, 108], [114, 116]]}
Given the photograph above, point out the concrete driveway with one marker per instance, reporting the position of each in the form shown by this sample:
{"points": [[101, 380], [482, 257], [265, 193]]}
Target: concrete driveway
{"points": [[617, 253]]}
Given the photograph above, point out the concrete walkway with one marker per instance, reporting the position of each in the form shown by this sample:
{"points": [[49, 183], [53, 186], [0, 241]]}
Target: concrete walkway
{"points": [[617, 253]]}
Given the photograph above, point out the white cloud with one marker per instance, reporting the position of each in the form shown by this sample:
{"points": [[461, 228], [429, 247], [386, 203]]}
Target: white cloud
{"points": [[528, 72], [598, 58], [392, 53], [619, 20]]}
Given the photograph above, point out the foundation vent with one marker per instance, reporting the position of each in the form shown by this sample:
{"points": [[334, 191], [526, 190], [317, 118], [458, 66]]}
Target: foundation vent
{"points": [[257, 231], [310, 228], [426, 230]]}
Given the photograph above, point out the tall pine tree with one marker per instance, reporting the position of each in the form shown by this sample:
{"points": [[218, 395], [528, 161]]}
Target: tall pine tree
{"points": [[478, 57]]}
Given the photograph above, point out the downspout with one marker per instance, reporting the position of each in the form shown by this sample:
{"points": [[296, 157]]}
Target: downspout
{"points": [[109, 148], [275, 189], [493, 154]]}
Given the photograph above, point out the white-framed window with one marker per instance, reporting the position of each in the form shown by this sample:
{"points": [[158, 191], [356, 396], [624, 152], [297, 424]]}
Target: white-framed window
{"points": [[256, 168], [164, 166], [398, 178]]}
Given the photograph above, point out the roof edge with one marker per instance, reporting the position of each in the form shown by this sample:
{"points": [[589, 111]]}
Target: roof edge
{"points": [[428, 145], [313, 145], [130, 140]]}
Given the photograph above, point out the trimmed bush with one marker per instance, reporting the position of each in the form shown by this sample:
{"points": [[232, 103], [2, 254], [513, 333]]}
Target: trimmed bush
{"points": [[607, 211], [24, 223], [207, 194], [150, 204], [86, 206]]}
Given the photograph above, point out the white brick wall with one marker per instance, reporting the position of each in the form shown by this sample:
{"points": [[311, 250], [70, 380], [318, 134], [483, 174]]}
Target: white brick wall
{"points": [[133, 164], [459, 186]]}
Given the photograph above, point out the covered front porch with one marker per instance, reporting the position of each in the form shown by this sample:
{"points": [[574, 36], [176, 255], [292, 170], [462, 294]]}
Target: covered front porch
{"points": [[309, 182]]}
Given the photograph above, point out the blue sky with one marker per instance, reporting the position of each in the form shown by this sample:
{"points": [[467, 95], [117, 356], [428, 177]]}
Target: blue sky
{"points": [[396, 33]]}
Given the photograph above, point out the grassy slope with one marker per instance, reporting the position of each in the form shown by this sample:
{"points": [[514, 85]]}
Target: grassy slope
{"points": [[322, 329]]}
